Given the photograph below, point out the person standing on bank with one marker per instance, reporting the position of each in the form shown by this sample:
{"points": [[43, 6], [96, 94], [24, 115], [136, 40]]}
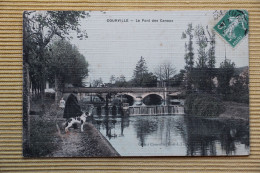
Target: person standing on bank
{"points": [[72, 108], [62, 104]]}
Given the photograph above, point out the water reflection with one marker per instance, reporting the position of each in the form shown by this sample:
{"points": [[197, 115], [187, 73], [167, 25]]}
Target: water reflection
{"points": [[204, 135], [174, 135], [111, 125], [144, 128]]}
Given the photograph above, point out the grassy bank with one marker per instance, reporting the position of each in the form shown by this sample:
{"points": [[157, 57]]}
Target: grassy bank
{"points": [[48, 137], [207, 105], [203, 105], [43, 137], [236, 111]]}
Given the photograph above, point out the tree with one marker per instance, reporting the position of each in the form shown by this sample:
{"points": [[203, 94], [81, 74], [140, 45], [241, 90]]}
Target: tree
{"points": [[189, 56], [200, 76], [121, 81], [149, 80], [121, 78], [178, 79], [97, 82], [239, 87], [66, 64], [39, 30], [205, 64], [141, 77], [165, 71], [211, 51], [226, 72], [112, 79], [139, 72], [211, 58], [202, 42]]}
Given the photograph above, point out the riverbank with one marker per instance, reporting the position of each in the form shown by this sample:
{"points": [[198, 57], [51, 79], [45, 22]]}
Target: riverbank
{"points": [[90, 143], [235, 110], [48, 139]]}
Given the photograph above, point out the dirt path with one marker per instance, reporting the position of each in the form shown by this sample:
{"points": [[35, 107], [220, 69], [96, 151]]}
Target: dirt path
{"points": [[89, 143]]}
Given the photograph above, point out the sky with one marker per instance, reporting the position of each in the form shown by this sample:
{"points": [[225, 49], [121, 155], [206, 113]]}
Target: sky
{"points": [[114, 48]]}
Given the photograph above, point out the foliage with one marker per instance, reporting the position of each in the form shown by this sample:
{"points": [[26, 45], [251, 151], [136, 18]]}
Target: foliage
{"points": [[112, 79], [239, 91], [203, 105], [189, 55], [121, 78], [149, 80], [67, 63], [140, 70], [202, 43], [206, 60], [97, 82], [165, 71], [43, 141], [226, 72], [40, 28], [66, 21], [200, 77], [177, 80], [202, 80], [141, 75], [211, 51], [121, 81], [211, 60]]}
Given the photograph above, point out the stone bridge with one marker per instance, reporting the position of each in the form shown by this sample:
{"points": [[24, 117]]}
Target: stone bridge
{"points": [[136, 93]]}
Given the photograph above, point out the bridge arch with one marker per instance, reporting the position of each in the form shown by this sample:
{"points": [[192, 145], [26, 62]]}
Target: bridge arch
{"points": [[152, 99], [91, 96], [130, 98], [149, 93]]}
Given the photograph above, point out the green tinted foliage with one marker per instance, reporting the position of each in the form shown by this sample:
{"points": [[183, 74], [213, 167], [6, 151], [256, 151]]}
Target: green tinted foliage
{"points": [[199, 77], [203, 105], [178, 79], [139, 72], [149, 80], [67, 63], [225, 73], [43, 140], [239, 90], [40, 28]]}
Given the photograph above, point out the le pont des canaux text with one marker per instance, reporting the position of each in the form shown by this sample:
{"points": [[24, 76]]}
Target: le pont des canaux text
{"points": [[139, 20]]}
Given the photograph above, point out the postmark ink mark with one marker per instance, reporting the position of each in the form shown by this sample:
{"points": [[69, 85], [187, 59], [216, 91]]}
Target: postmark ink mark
{"points": [[233, 27]]}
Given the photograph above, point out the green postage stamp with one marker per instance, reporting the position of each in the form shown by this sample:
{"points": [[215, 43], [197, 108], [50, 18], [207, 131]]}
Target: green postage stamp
{"points": [[233, 27]]}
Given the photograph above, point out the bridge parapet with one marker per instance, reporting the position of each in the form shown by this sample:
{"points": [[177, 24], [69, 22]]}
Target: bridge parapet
{"points": [[120, 90]]}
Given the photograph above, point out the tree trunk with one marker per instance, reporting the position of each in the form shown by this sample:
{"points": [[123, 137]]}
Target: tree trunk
{"points": [[56, 89], [42, 96]]}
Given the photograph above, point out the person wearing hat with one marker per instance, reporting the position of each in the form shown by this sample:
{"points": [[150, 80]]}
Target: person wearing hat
{"points": [[72, 108]]}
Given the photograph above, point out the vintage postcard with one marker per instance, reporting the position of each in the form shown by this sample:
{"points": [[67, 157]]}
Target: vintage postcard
{"points": [[135, 83]]}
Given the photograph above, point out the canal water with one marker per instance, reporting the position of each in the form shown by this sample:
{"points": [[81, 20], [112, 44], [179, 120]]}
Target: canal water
{"points": [[175, 135]]}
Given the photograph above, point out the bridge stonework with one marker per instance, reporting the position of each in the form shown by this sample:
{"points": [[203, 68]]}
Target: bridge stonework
{"points": [[138, 96], [135, 92]]}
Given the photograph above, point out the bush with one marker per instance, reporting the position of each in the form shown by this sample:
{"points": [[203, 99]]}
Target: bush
{"points": [[43, 140], [203, 105]]}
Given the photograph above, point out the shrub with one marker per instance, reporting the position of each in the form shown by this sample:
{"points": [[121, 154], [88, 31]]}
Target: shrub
{"points": [[42, 137], [203, 105]]}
